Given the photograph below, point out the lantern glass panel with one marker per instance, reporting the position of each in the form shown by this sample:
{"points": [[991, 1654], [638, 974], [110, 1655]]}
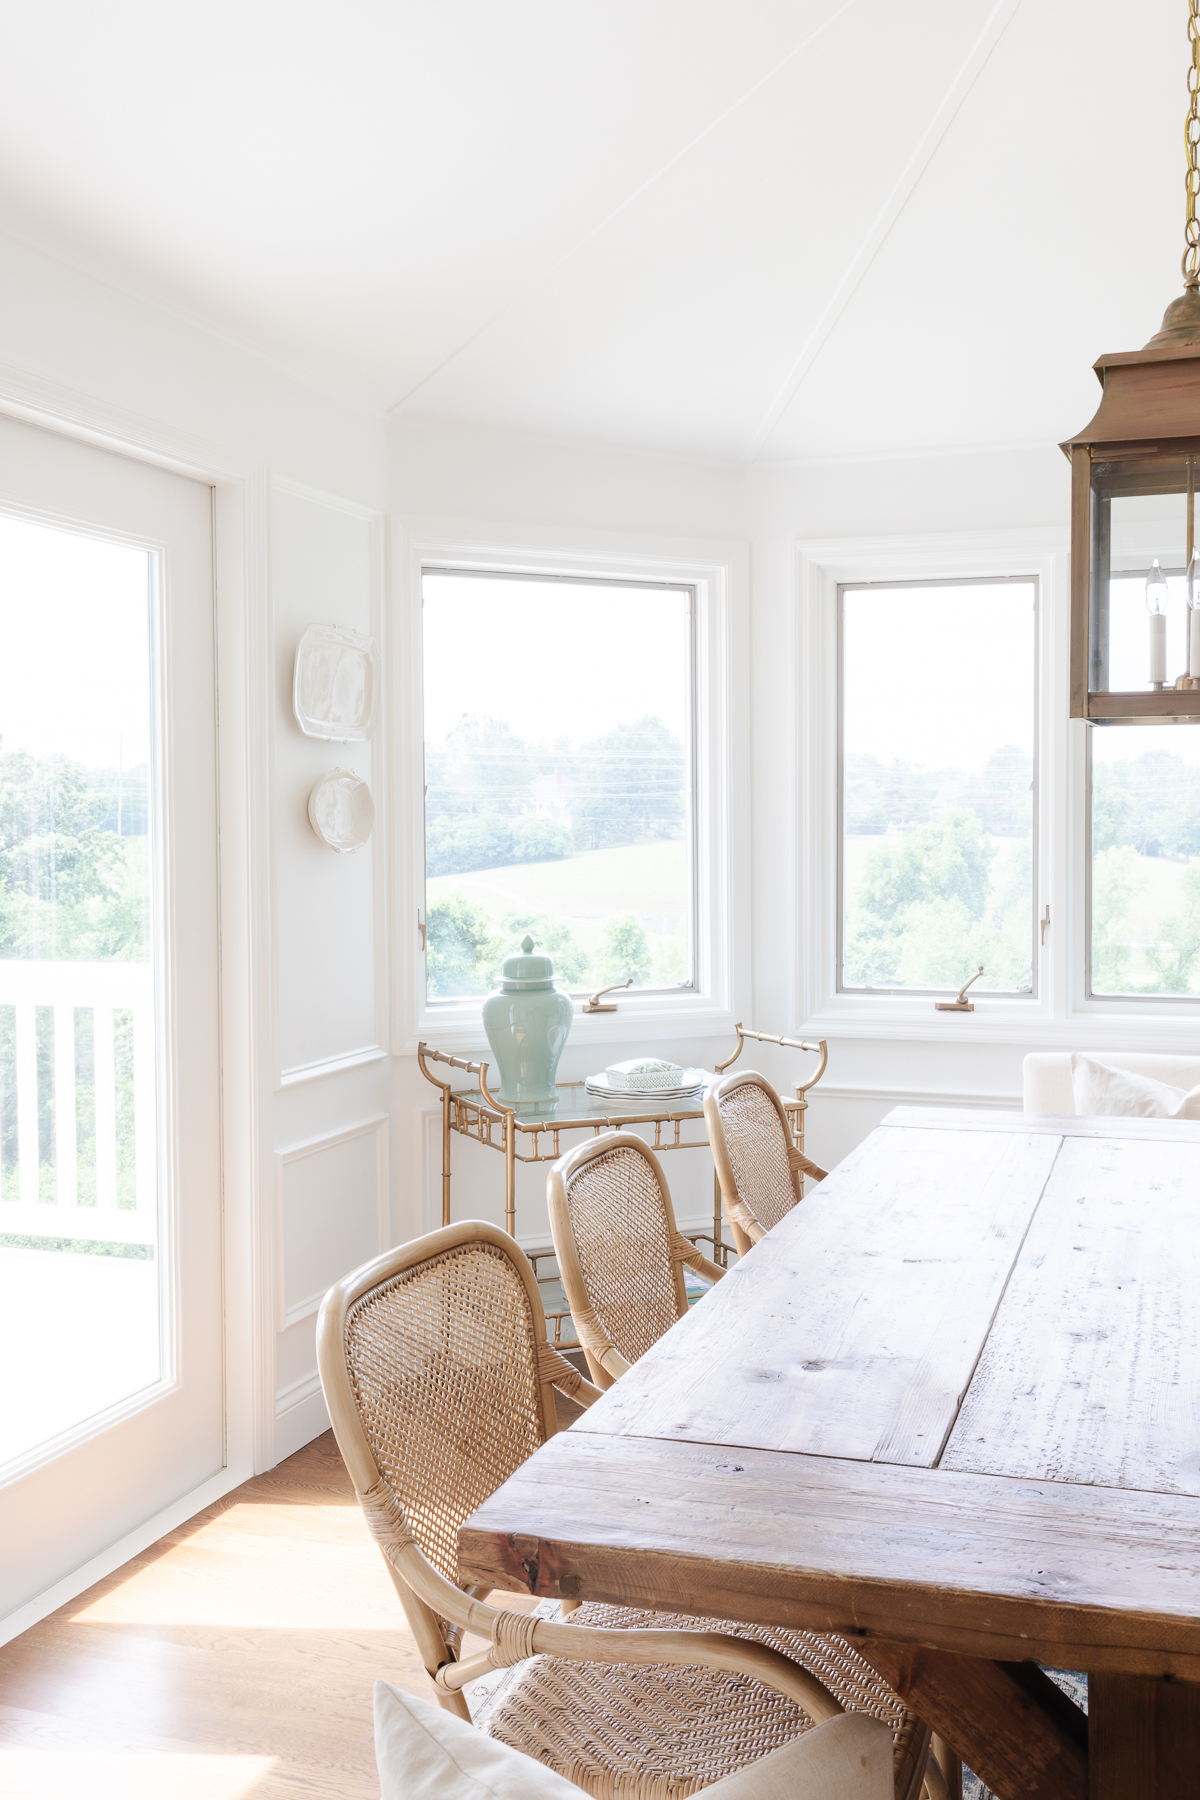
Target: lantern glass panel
{"points": [[1139, 517]]}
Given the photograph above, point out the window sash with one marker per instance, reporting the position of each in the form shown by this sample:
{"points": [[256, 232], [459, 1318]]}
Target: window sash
{"points": [[433, 1004], [841, 986]]}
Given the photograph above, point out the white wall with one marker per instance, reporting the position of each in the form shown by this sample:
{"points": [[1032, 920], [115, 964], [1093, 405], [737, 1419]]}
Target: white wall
{"points": [[108, 360]]}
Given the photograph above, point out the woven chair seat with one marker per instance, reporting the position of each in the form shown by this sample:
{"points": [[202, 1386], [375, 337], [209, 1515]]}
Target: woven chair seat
{"points": [[645, 1733]]}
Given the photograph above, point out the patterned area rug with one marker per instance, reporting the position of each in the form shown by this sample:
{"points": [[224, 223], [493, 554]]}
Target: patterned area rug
{"points": [[1075, 1688]]}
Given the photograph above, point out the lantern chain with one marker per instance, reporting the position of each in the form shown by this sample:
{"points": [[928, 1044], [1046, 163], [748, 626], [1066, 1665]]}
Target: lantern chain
{"points": [[1191, 254]]}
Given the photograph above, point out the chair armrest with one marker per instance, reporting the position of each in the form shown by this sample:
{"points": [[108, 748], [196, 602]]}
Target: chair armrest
{"points": [[515, 1636], [554, 1367], [798, 1160], [684, 1251]]}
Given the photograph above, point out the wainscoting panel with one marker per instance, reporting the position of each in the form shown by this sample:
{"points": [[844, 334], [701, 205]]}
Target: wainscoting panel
{"points": [[331, 1214]]}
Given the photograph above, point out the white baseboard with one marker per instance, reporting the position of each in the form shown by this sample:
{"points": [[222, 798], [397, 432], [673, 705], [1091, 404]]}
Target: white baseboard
{"points": [[916, 1097], [300, 1416], [132, 1544]]}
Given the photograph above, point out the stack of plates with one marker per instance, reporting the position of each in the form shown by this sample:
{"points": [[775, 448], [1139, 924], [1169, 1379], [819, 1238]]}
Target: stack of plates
{"points": [[688, 1084]]}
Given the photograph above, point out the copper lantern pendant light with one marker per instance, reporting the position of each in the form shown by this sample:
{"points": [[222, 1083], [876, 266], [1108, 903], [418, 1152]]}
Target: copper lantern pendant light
{"points": [[1135, 572]]}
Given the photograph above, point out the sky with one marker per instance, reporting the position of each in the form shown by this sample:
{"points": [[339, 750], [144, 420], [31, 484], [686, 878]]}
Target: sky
{"points": [[75, 662], [938, 676], [553, 658]]}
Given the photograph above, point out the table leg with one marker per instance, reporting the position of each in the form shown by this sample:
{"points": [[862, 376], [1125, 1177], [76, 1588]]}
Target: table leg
{"points": [[1143, 1738], [1007, 1721]]}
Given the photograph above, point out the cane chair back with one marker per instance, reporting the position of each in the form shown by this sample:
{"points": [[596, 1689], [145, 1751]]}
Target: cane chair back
{"points": [[620, 1255], [443, 1362], [758, 1167], [439, 1382]]}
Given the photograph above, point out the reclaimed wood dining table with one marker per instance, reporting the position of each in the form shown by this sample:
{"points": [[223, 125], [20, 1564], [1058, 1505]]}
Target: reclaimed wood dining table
{"points": [[950, 1408]]}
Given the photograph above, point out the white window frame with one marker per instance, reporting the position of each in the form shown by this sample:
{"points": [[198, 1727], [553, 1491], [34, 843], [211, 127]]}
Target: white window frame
{"points": [[1061, 1014], [719, 575]]}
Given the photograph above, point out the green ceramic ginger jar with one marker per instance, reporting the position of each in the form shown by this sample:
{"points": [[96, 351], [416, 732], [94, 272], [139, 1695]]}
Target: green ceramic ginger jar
{"points": [[527, 1024]]}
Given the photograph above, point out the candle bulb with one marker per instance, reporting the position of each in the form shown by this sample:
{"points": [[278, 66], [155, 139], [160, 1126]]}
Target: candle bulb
{"points": [[1156, 605], [1193, 600]]}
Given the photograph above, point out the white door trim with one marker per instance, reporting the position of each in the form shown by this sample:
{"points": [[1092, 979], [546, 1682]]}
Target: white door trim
{"points": [[242, 613]]}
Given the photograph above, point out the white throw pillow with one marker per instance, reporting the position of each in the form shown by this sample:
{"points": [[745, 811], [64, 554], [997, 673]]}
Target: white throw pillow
{"points": [[1111, 1093], [424, 1752]]}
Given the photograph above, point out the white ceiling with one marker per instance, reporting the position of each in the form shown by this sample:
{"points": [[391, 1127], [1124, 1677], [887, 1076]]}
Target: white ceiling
{"points": [[763, 228]]}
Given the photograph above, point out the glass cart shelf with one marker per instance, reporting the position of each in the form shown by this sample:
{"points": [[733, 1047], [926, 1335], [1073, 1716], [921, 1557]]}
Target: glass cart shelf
{"points": [[532, 1134]]}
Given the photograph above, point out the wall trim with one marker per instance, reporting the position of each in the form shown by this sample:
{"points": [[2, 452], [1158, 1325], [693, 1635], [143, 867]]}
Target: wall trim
{"points": [[332, 1065], [918, 1097], [300, 1415]]}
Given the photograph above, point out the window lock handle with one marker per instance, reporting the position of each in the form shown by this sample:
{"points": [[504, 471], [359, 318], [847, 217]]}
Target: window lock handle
{"points": [[592, 1003], [962, 1004]]}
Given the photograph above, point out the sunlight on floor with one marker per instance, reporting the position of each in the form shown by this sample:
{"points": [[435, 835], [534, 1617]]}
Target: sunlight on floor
{"points": [[349, 1591], [129, 1774]]}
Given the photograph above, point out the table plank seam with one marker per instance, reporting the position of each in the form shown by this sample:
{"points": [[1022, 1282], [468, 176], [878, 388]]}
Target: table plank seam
{"points": [[1033, 1213]]}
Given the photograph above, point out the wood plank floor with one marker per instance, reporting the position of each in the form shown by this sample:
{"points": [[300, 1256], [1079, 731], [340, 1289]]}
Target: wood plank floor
{"points": [[232, 1661]]}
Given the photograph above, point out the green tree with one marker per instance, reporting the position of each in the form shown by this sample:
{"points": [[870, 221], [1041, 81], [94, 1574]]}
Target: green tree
{"points": [[70, 889], [1002, 794], [624, 950], [555, 938], [629, 786], [925, 914], [482, 767], [1174, 960], [949, 859], [538, 839], [1116, 881], [462, 950]]}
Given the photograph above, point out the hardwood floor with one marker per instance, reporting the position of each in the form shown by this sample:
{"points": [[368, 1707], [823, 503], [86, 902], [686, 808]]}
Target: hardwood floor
{"points": [[232, 1661]]}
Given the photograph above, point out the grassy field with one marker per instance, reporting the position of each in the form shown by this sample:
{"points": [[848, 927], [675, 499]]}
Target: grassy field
{"points": [[649, 880]]}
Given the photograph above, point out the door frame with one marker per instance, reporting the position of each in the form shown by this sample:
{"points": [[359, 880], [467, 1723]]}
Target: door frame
{"points": [[242, 626]]}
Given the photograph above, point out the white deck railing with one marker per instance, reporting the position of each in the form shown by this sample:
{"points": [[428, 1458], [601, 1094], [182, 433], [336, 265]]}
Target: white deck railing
{"points": [[33, 1200]]}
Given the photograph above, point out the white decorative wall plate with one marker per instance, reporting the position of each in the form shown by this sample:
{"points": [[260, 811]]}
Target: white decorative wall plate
{"points": [[341, 810], [335, 689]]}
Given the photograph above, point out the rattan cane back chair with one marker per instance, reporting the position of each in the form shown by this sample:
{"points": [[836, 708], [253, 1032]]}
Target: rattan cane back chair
{"points": [[620, 1256], [439, 1382], [621, 1259], [759, 1168]]}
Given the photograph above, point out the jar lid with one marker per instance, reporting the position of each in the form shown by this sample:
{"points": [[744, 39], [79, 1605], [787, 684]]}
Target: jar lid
{"points": [[526, 970]]}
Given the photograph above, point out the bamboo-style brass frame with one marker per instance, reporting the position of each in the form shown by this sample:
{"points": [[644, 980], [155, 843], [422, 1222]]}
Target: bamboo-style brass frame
{"points": [[477, 1114]]}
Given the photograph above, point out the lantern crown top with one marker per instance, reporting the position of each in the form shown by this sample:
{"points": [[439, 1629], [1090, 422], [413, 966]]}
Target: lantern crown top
{"points": [[1181, 323]]}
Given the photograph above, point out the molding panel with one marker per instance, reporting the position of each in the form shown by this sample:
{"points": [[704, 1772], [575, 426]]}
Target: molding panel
{"points": [[331, 1213], [331, 977]]}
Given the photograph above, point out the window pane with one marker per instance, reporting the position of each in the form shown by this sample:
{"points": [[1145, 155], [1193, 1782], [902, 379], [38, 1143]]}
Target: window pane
{"points": [[78, 1228], [558, 780], [1145, 890], [938, 770]]}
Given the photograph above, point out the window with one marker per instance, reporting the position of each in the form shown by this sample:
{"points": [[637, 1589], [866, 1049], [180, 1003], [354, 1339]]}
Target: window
{"points": [[938, 784], [559, 779], [1144, 892]]}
